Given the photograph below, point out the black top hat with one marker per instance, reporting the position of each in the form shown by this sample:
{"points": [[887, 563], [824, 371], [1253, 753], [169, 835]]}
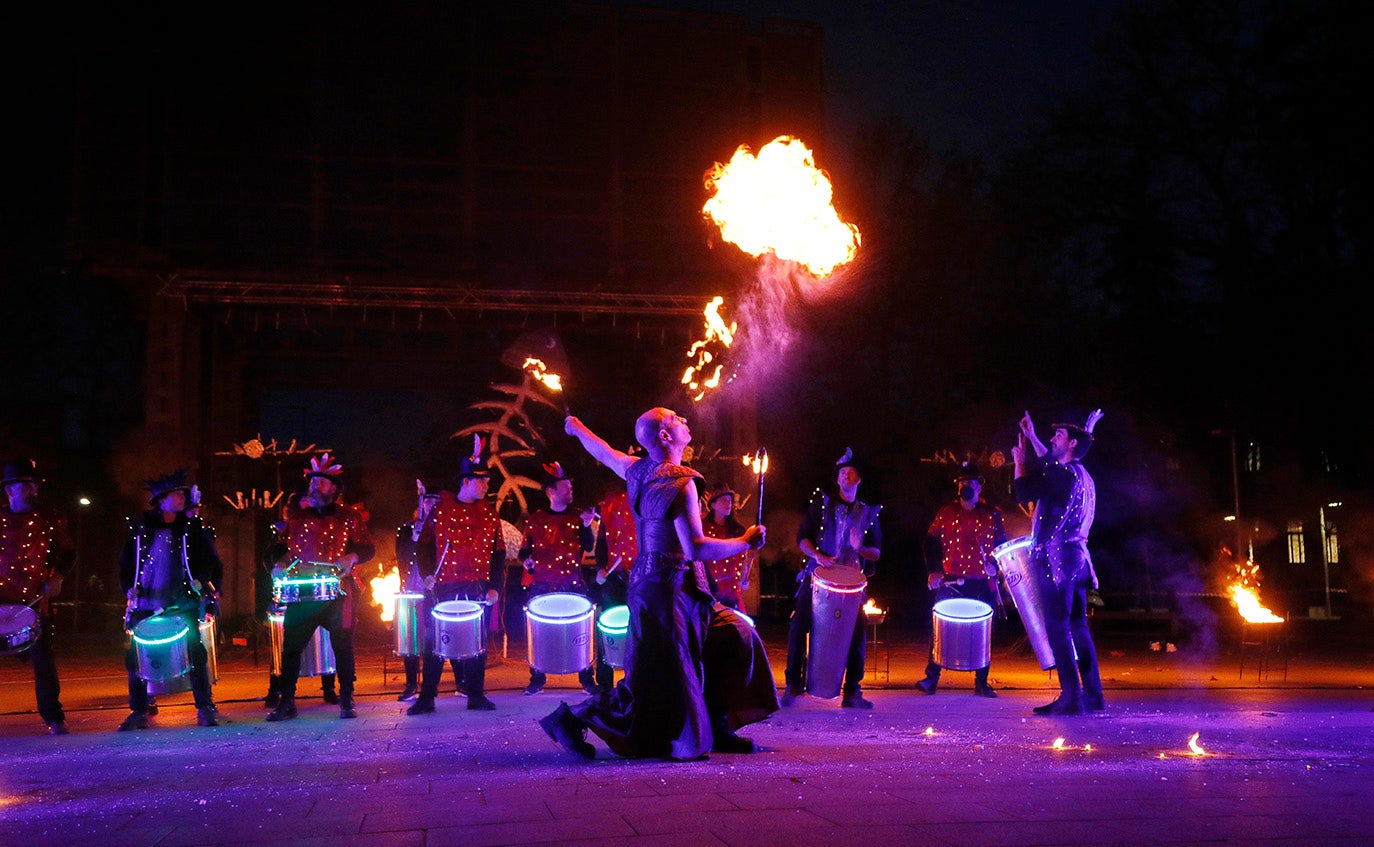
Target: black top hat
{"points": [[21, 470], [720, 489], [1082, 434], [847, 460], [968, 470], [160, 486]]}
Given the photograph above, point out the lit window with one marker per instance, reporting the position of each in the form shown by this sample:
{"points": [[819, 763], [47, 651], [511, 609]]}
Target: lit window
{"points": [[1252, 457], [1333, 545], [1297, 550]]}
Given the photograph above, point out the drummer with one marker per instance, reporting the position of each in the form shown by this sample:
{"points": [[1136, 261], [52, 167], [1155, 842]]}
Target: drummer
{"points": [[169, 567], [323, 536], [36, 552], [959, 560], [461, 554], [556, 539], [616, 549], [821, 537]]}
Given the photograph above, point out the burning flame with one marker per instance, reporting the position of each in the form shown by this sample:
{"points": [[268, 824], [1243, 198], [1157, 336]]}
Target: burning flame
{"points": [[722, 336], [1194, 747], [756, 464], [871, 608], [1058, 744], [779, 202], [930, 731], [1245, 594], [384, 590], [540, 372]]}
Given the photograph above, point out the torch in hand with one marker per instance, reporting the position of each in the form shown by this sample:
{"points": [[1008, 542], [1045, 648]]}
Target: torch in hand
{"points": [[760, 466]]}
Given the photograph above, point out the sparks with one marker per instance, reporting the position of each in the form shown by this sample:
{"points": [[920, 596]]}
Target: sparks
{"points": [[779, 202], [718, 338]]}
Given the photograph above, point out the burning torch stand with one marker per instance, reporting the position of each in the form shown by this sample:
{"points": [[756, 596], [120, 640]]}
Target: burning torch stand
{"points": [[874, 665], [1266, 642]]}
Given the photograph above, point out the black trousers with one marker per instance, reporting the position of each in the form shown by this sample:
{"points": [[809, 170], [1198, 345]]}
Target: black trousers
{"points": [[302, 619], [470, 672], [199, 656], [47, 690]]}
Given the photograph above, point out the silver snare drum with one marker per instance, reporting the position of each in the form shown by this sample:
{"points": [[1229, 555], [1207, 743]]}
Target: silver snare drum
{"points": [[559, 632], [19, 628], [458, 632]]}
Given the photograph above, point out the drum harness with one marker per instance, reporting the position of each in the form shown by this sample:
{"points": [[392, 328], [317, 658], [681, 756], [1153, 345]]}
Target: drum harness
{"points": [[138, 572]]}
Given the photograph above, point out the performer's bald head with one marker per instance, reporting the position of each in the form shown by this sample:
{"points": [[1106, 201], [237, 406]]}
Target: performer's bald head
{"points": [[649, 425]]}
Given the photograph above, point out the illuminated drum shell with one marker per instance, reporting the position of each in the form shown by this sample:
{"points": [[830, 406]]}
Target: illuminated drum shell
{"points": [[276, 628], [559, 632], [614, 626], [962, 634], [18, 628], [1013, 560], [317, 659], [162, 645], [305, 589], [458, 632], [408, 624], [838, 593]]}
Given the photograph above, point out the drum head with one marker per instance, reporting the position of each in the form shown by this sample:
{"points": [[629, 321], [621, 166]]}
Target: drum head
{"points": [[17, 618], [615, 620], [840, 577], [963, 609], [160, 629], [457, 610], [560, 606]]}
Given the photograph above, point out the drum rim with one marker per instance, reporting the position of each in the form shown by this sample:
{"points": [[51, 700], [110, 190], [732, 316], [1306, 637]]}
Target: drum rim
{"points": [[840, 587], [1013, 544], [585, 607], [153, 642], [456, 611], [983, 613], [614, 629], [24, 613]]}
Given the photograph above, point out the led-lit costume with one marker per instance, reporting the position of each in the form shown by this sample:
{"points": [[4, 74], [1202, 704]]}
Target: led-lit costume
{"points": [[826, 525], [35, 546], [729, 574], [555, 543], [615, 552], [462, 552], [1065, 498], [322, 534], [169, 568], [959, 545]]}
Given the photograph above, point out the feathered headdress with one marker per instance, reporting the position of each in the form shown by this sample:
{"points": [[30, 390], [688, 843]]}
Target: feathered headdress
{"points": [[325, 466], [848, 461], [472, 467], [553, 473], [1082, 434]]}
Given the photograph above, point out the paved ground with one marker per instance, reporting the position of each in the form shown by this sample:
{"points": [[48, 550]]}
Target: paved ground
{"points": [[1287, 760]]}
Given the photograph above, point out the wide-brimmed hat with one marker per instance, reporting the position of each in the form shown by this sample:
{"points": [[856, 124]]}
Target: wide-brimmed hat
{"points": [[160, 486], [719, 490], [21, 470]]}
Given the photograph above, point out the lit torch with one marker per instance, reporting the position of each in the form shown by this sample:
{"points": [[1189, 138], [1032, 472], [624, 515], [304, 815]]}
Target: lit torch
{"points": [[707, 351], [1245, 594], [384, 589], [779, 202], [759, 465]]}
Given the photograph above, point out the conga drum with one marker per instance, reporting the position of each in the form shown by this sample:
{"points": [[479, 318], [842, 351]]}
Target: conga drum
{"points": [[962, 634], [1013, 559], [558, 632], [837, 596], [458, 632], [614, 626]]}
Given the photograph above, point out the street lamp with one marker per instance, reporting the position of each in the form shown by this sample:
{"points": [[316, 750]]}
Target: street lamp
{"points": [[83, 502], [1326, 551]]}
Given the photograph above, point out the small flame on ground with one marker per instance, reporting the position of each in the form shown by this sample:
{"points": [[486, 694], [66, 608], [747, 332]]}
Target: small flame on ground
{"points": [[871, 608], [1058, 744], [930, 731], [718, 336], [779, 202], [1194, 747], [1087, 748], [540, 372], [384, 590]]}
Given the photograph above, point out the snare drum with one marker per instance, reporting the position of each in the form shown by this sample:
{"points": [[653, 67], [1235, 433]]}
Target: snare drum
{"points": [[162, 645], [305, 589], [962, 638], [19, 628], [558, 630], [458, 632], [408, 624], [614, 626]]}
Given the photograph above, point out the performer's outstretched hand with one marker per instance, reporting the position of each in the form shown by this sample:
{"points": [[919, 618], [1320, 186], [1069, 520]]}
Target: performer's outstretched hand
{"points": [[757, 536]]}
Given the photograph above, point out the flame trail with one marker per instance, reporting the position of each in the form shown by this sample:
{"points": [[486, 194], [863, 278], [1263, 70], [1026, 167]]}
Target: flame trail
{"points": [[708, 351], [540, 373]]}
